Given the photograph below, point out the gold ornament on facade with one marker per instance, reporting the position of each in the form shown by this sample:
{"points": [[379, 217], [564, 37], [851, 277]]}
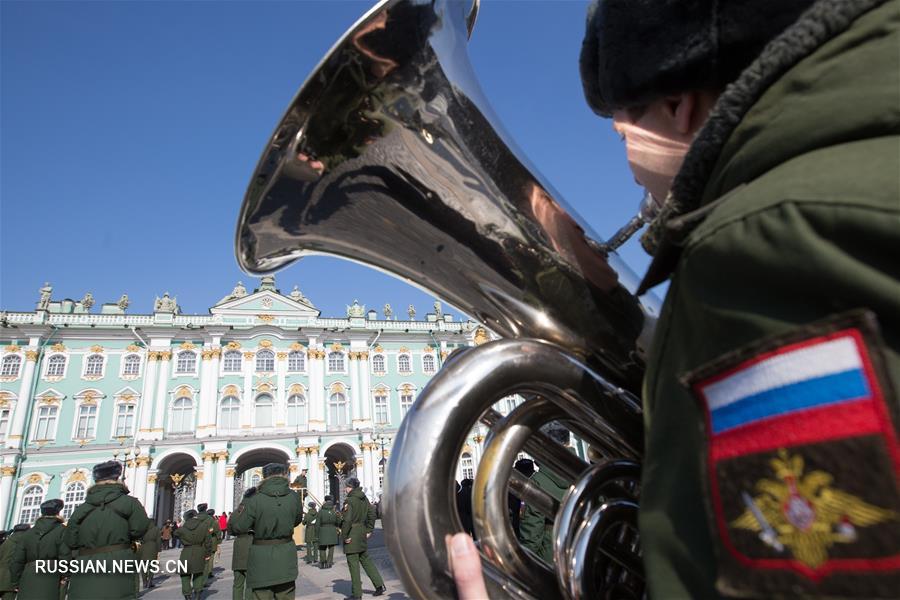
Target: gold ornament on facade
{"points": [[31, 355], [130, 464], [403, 350], [378, 349], [363, 356], [428, 350], [444, 354], [153, 356], [231, 390], [296, 388], [478, 438], [206, 355], [229, 472], [165, 355], [264, 387], [97, 348], [265, 318], [233, 345], [184, 392], [467, 449], [151, 478], [281, 355], [126, 398], [339, 466], [337, 388], [353, 355], [176, 479], [11, 348], [337, 347], [144, 461], [7, 471], [88, 397], [296, 346], [187, 346], [265, 344], [406, 388], [359, 462], [207, 456], [222, 455], [130, 348], [59, 347], [76, 476], [35, 478], [199, 475], [249, 355]]}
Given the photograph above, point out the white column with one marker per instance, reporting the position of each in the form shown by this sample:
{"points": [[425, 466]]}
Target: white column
{"points": [[314, 473], [147, 394], [209, 476], [203, 421], [229, 487], [16, 436], [6, 485], [365, 391], [354, 390], [316, 391], [140, 479], [150, 495], [161, 394], [247, 396], [213, 374], [200, 489], [221, 494], [369, 468], [280, 403]]}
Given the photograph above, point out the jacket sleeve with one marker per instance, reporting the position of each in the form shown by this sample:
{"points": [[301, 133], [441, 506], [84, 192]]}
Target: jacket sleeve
{"points": [[346, 521], [531, 530], [242, 519], [370, 518], [138, 521], [17, 561]]}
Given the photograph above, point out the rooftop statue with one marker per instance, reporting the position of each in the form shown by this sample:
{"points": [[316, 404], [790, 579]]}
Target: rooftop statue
{"points": [[88, 301], [437, 308], [388, 312], [411, 311], [239, 291], [356, 309], [44, 300], [123, 302], [165, 304]]}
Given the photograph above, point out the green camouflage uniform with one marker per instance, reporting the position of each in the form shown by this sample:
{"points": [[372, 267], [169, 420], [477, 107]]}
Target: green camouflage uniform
{"points": [[358, 523], [311, 536], [8, 580], [327, 524], [43, 541], [198, 545], [536, 529], [240, 553]]}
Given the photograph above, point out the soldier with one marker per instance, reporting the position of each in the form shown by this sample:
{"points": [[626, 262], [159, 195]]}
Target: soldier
{"points": [[271, 513], [43, 541], [300, 483], [8, 583], [239, 555], [311, 537], [197, 548], [327, 524], [102, 531], [535, 528], [357, 527], [216, 533], [149, 551]]}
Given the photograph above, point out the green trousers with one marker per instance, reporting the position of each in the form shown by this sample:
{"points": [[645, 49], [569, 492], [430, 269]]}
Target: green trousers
{"points": [[362, 558], [312, 552], [282, 591], [326, 555], [192, 582], [239, 589]]}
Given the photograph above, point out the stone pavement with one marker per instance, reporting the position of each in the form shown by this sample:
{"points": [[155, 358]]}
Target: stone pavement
{"points": [[312, 584]]}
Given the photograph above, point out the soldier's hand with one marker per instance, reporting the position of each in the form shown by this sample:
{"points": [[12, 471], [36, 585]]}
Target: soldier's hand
{"points": [[465, 564], [348, 540]]}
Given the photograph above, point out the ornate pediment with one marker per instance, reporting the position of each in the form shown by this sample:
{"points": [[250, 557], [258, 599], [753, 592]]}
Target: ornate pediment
{"points": [[268, 303]]}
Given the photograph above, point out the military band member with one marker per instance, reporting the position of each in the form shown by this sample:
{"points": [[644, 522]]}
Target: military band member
{"points": [[240, 554], [536, 528], [8, 582], [197, 546], [149, 551], [216, 532], [103, 530], [271, 513], [327, 525], [311, 534], [43, 541], [358, 524], [300, 484]]}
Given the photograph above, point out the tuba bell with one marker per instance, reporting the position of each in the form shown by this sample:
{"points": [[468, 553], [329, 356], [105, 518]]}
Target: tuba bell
{"points": [[390, 155]]}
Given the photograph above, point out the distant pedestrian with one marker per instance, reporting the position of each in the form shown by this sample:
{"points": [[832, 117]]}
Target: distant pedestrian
{"points": [[165, 535], [223, 525], [328, 522]]}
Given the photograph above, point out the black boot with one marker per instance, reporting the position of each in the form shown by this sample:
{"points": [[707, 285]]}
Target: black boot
{"points": [[379, 590]]}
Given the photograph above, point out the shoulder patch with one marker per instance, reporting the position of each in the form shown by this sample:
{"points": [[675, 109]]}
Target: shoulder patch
{"points": [[803, 464]]}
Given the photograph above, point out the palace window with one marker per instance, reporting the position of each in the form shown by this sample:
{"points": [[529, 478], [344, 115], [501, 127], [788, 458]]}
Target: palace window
{"points": [[230, 413], [404, 364], [381, 407], [11, 366], [93, 366], [467, 466], [337, 410], [297, 361], [378, 364], [86, 422], [232, 362], [4, 422], [124, 420], [263, 408], [74, 496], [187, 362], [406, 401], [296, 410], [182, 417], [45, 424], [56, 366], [336, 362], [131, 365], [31, 504], [265, 361], [428, 364]]}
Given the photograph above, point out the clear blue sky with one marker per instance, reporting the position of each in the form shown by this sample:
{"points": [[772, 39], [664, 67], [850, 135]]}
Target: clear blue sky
{"points": [[130, 130]]}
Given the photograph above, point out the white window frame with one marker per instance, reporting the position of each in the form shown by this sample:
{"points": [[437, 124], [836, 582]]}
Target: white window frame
{"points": [[329, 370], [400, 394], [384, 361], [303, 406], [466, 456], [140, 366], [65, 368], [191, 424], [302, 354], [408, 357], [240, 369], [386, 393], [219, 421], [433, 362], [80, 405], [33, 507], [70, 505], [256, 359], [5, 420], [8, 359], [114, 433], [37, 419], [346, 404], [256, 424], [87, 359], [176, 369]]}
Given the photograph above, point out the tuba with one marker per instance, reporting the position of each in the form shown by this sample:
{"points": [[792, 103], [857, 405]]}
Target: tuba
{"points": [[390, 155]]}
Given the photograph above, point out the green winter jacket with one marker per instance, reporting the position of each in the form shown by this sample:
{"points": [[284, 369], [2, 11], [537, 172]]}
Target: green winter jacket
{"points": [[198, 545], [327, 523], [43, 541], [312, 527], [150, 543], [357, 523], [101, 531], [784, 219], [271, 513], [8, 580], [240, 551], [535, 529]]}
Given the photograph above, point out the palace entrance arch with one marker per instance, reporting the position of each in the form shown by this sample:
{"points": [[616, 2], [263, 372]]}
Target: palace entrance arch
{"points": [[340, 465], [176, 486], [249, 464]]}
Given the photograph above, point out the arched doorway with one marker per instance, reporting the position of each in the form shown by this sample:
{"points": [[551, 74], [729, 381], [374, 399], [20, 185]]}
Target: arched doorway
{"points": [[176, 486], [248, 469], [340, 465]]}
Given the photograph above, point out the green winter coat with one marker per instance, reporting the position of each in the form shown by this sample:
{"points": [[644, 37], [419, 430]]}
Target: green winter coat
{"points": [[108, 517], [198, 544], [797, 220], [312, 528], [8, 581], [213, 524], [150, 543], [43, 541], [357, 523], [327, 524], [271, 513], [535, 529]]}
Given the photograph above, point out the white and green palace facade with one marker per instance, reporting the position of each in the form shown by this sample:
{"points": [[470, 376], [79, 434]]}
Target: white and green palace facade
{"points": [[194, 405]]}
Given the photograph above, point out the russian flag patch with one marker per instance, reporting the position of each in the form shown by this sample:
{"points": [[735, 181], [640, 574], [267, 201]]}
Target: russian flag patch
{"points": [[803, 463]]}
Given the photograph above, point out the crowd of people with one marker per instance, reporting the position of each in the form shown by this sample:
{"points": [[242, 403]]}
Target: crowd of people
{"points": [[113, 526]]}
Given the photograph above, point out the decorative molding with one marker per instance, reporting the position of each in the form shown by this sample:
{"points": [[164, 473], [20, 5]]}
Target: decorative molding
{"points": [[363, 355], [265, 318], [296, 388], [35, 478], [233, 345], [296, 346], [229, 472], [58, 347], [265, 344], [359, 462], [352, 356], [478, 438], [130, 464], [264, 387], [403, 350], [378, 349], [165, 355], [198, 475], [143, 461], [481, 336], [337, 388], [76, 477], [151, 478], [11, 348], [249, 355], [130, 348], [407, 388], [231, 390], [97, 348], [31, 355], [126, 398], [187, 346], [337, 347], [208, 456], [428, 350], [152, 356], [281, 355], [221, 455], [444, 354], [184, 392], [7, 471]]}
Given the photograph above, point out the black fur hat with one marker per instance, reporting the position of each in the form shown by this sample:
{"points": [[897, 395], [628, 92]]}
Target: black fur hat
{"points": [[190, 514], [211, 512], [249, 492], [353, 482], [637, 51], [111, 469], [52, 507], [313, 504], [274, 469], [21, 527], [201, 508], [328, 498]]}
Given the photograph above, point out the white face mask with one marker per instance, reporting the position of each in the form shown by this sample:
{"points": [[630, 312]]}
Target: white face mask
{"points": [[654, 159]]}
